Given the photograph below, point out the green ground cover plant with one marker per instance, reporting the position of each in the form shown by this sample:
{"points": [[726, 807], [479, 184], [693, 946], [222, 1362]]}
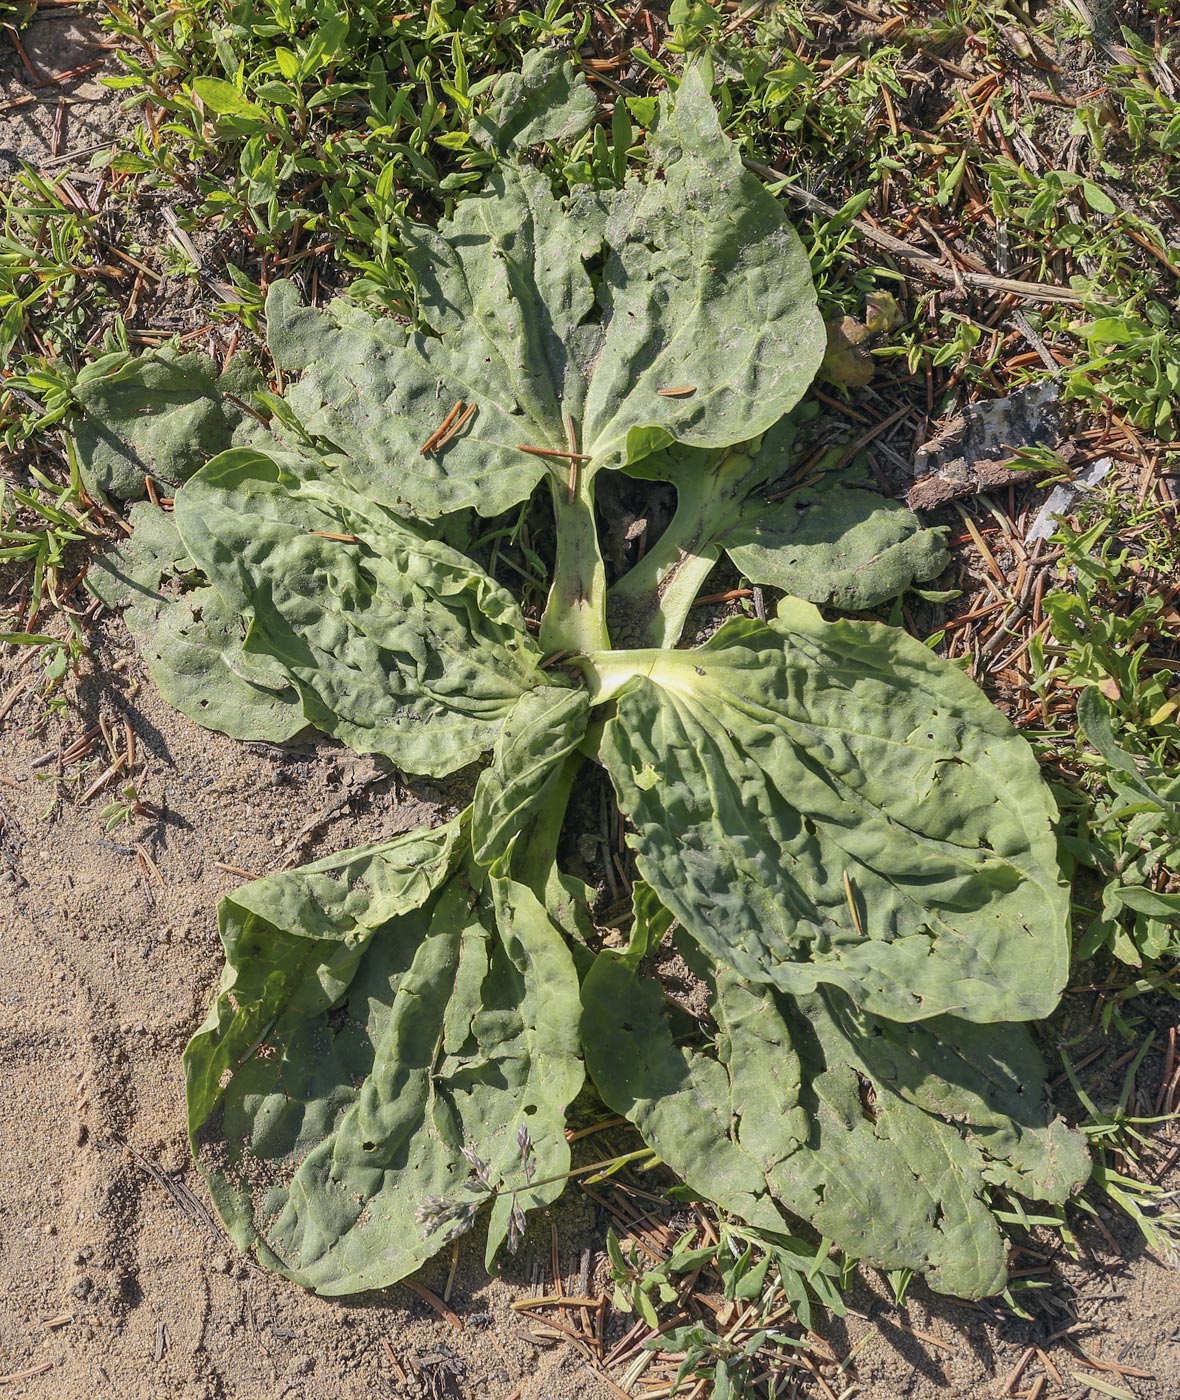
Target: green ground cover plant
{"points": [[856, 849], [1122, 824]]}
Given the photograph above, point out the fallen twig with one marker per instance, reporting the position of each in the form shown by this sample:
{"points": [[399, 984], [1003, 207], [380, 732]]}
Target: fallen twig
{"points": [[931, 264]]}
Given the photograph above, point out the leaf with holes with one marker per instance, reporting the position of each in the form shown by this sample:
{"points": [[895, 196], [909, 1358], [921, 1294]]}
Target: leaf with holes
{"points": [[390, 1021], [830, 804], [888, 1139]]}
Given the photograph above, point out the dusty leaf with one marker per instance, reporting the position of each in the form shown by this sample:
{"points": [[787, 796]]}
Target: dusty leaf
{"points": [[836, 545], [886, 1138], [703, 283], [189, 638], [548, 102], [396, 644], [836, 805], [543, 728], [161, 415], [381, 1012], [829, 541]]}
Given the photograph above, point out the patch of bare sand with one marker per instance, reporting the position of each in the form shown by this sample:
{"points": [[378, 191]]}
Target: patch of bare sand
{"points": [[64, 114]]}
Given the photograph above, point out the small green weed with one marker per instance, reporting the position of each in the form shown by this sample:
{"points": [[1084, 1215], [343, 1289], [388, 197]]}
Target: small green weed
{"points": [[777, 1283], [318, 128], [124, 809], [37, 528], [1119, 1140], [1115, 639], [53, 289]]}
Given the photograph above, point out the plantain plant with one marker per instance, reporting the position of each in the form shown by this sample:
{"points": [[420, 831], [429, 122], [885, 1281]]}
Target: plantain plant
{"points": [[853, 850]]}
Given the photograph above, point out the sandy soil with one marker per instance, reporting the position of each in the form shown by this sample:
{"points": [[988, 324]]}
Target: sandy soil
{"points": [[57, 42]]}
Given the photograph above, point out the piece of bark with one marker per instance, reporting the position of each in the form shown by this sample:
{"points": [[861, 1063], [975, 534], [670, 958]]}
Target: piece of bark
{"points": [[972, 452]]}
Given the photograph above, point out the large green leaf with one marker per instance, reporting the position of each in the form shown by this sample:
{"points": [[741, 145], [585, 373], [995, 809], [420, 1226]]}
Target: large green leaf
{"points": [[897, 1169], [640, 1057], [162, 415], [316, 920], [545, 726], [189, 637], [132, 573], [547, 102], [193, 649], [830, 803], [503, 289], [705, 290], [396, 644], [838, 545], [829, 542], [886, 1138], [382, 1013], [706, 286]]}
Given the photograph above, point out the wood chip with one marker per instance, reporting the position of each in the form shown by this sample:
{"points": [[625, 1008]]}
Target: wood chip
{"points": [[13, 696], [553, 1300], [184, 1198], [1048, 1365], [398, 1369], [147, 864], [604, 1379]]}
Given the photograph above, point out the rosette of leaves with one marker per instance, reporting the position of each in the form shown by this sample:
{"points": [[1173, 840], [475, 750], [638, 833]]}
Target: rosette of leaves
{"points": [[855, 847]]}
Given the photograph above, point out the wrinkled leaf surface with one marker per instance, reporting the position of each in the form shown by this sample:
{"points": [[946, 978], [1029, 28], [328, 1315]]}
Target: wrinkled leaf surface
{"points": [[841, 546], [372, 1023], [705, 290], [828, 541], [162, 415], [396, 644], [547, 102], [189, 637], [544, 727], [830, 803], [885, 1137]]}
